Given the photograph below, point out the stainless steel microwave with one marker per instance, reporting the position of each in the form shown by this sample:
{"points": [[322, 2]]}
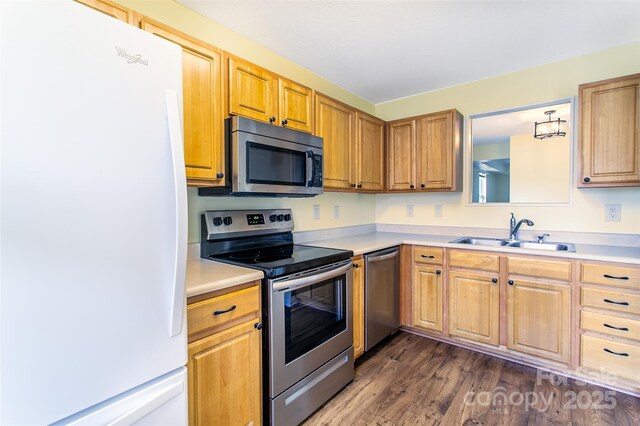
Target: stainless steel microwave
{"points": [[267, 160]]}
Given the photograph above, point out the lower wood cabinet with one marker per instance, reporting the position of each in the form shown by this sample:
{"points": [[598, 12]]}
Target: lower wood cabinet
{"points": [[539, 318], [428, 297], [474, 306], [358, 306], [224, 377], [224, 366]]}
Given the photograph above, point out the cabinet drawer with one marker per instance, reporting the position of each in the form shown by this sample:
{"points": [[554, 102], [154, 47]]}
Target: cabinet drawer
{"points": [[613, 275], [474, 260], [612, 300], [609, 324], [219, 310], [618, 358], [535, 267], [433, 255]]}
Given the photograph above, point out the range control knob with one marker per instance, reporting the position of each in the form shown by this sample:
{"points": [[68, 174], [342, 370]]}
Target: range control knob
{"points": [[273, 218], [287, 217], [217, 221], [228, 221], [280, 217]]}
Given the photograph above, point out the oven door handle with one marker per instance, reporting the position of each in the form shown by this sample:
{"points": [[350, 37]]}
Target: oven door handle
{"points": [[310, 169], [311, 279]]}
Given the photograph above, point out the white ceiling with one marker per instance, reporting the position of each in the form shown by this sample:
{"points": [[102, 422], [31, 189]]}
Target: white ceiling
{"points": [[384, 50], [498, 128]]}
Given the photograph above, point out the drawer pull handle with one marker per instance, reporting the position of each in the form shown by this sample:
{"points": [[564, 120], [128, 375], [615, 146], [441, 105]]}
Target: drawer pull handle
{"points": [[224, 311], [609, 351], [616, 303], [613, 277], [616, 328], [427, 257]]}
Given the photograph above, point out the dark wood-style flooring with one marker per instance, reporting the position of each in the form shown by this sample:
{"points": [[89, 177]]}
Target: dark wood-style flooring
{"points": [[412, 380]]}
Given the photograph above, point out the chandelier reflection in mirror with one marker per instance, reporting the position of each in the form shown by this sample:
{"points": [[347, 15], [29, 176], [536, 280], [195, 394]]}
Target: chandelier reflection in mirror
{"points": [[550, 128]]}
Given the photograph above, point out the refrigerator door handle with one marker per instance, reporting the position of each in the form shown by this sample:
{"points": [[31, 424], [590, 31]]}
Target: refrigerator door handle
{"points": [[147, 407], [177, 155]]}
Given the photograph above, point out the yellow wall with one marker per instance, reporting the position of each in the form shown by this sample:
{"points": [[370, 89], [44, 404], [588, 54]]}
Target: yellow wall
{"points": [[550, 82]]}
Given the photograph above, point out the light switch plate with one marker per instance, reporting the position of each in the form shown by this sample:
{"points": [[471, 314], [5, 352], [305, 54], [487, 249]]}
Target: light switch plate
{"points": [[612, 212], [336, 212], [437, 210]]}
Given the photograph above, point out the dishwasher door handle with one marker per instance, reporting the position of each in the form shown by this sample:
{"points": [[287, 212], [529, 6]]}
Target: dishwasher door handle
{"points": [[383, 257]]}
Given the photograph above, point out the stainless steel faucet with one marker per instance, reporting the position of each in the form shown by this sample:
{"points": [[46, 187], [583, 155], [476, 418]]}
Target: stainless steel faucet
{"points": [[515, 227]]}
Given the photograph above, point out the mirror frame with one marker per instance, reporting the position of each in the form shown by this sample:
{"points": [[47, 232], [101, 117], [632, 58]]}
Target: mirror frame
{"points": [[468, 153]]}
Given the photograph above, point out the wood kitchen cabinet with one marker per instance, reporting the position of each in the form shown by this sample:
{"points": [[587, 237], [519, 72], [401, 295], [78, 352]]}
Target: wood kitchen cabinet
{"points": [[428, 297], [336, 125], [609, 132], [114, 10], [474, 308], [425, 153], [204, 152], [358, 306], [224, 358], [370, 153], [257, 93]]}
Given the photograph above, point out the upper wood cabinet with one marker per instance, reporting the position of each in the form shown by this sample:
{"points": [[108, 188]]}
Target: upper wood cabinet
{"points": [[114, 10], [336, 125], [257, 93], [609, 132], [425, 153], [370, 149], [204, 152]]}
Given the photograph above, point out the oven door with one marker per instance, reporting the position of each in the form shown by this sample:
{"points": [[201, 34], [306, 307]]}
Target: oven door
{"points": [[309, 323], [274, 166]]}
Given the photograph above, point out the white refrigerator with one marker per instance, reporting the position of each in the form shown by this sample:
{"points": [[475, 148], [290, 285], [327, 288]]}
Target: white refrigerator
{"points": [[92, 220]]}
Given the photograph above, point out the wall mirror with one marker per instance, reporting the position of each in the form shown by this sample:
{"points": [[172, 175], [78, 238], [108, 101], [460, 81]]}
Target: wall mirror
{"points": [[514, 161]]}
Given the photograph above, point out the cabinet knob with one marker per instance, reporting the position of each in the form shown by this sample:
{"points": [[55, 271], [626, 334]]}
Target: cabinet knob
{"points": [[510, 282], [411, 186], [438, 272], [494, 280], [258, 326], [359, 186], [355, 265], [587, 179], [285, 122], [422, 185], [272, 119], [219, 175], [353, 185]]}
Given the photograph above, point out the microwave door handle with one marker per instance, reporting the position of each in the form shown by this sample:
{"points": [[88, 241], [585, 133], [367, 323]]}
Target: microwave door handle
{"points": [[310, 169], [311, 279]]}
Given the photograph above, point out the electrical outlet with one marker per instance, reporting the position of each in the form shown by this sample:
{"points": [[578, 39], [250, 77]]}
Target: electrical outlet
{"points": [[316, 211], [612, 212], [336, 212], [410, 208], [437, 210]]}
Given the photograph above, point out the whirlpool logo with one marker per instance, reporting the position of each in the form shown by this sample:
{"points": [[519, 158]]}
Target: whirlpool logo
{"points": [[132, 59]]}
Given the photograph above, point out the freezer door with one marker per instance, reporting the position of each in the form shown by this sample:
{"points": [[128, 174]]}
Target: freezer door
{"points": [[161, 402], [93, 205]]}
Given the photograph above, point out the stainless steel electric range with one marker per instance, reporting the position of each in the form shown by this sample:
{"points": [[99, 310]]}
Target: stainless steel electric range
{"points": [[306, 307]]}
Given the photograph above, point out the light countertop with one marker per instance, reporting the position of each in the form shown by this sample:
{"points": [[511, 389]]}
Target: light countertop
{"points": [[365, 243]]}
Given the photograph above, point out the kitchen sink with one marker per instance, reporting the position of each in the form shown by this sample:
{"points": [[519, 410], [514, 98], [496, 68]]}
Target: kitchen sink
{"points": [[532, 245], [481, 241]]}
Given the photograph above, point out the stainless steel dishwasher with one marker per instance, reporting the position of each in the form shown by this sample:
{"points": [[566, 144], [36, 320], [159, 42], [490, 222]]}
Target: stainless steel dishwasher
{"points": [[382, 284]]}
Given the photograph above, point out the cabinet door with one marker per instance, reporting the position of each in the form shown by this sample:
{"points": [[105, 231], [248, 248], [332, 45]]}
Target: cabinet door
{"points": [[610, 132], [335, 123], [112, 9], [401, 148], [427, 297], [253, 91], [296, 106], [435, 152], [369, 153], [202, 104], [474, 306], [358, 306], [225, 377], [538, 318]]}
